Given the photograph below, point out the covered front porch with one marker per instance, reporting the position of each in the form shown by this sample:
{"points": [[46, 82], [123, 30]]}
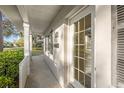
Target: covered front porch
{"points": [[76, 40], [39, 71]]}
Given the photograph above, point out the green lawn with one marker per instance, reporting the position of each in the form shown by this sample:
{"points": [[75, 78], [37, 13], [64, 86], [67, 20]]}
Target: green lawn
{"points": [[36, 51], [18, 48]]}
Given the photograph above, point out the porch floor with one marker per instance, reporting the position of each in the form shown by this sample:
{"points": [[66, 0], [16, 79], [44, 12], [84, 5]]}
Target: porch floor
{"points": [[41, 75]]}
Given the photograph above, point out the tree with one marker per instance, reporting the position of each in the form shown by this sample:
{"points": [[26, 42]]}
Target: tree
{"points": [[20, 42], [1, 31], [8, 28], [8, 44]]}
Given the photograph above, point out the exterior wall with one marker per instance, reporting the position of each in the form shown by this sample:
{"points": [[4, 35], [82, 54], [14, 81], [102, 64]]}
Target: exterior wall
{"points": [[103, 46], [55, 61]]}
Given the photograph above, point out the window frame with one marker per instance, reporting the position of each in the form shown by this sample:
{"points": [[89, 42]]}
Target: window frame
{"points": [[77, 16]]}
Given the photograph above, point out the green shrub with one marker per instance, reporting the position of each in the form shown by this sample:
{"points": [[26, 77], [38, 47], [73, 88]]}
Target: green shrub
{"points": [[9, 67], [2, 68], [6, 82]]}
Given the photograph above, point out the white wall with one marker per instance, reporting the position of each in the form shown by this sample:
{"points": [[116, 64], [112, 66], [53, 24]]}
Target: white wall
{"points": [[56, 61], [103, 46]]}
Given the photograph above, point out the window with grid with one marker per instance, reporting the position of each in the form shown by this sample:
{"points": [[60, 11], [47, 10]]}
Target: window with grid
{"points": [[82, 51], [50, 43]]}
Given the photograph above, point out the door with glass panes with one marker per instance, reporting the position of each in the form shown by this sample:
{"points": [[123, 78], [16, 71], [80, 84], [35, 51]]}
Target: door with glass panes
{"points": [[83, 48]]}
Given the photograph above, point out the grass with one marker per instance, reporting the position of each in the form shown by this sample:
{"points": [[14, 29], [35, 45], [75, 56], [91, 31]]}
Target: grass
{"points": [[36, 51]]}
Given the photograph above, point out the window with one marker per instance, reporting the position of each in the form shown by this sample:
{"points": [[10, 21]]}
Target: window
{"points": [[46, 43], [82, 51], [50, 43]]}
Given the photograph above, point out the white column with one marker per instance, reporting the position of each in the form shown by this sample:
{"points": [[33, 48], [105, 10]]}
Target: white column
{"points": [[30, 37], [44, 45], [26, 39], [102, 56], [24, 66], [27, 45]]}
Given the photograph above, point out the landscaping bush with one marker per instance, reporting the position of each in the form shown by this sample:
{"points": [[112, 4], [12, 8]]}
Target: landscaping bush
{"points": [[9, 67], [6, 81]]}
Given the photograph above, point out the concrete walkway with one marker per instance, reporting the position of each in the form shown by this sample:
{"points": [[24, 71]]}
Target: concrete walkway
{"points": [[41, 76]]}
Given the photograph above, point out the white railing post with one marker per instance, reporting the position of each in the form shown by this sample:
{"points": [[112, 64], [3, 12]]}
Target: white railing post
{"points": [[27, 44], [44, 45], [30, 37]]}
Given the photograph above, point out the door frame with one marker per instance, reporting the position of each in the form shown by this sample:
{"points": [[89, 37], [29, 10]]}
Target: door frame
{"points": [[85, 10]]}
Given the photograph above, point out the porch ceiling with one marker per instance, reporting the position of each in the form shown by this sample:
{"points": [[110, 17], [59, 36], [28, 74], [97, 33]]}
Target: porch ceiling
{"points": [[11, 11], [39, 16]]}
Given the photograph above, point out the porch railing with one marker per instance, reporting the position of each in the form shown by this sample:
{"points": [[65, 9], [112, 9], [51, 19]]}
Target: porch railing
{"points": [[24, 71]]}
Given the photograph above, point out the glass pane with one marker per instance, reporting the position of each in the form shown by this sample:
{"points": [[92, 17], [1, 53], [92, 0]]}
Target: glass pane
{"points": [[76, 38], [87, 81], [81, 78], [88, 21], [75, 62], [81, 64], [88, 39], [81, 22], [81, 38], [75, 50], [76, 26], [81, 51], [76, 74], [88, 67], [88, 54]]}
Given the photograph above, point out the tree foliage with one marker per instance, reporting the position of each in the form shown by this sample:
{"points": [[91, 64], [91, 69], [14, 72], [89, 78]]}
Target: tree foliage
{"points": [[8, 28], [20, 42]]}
